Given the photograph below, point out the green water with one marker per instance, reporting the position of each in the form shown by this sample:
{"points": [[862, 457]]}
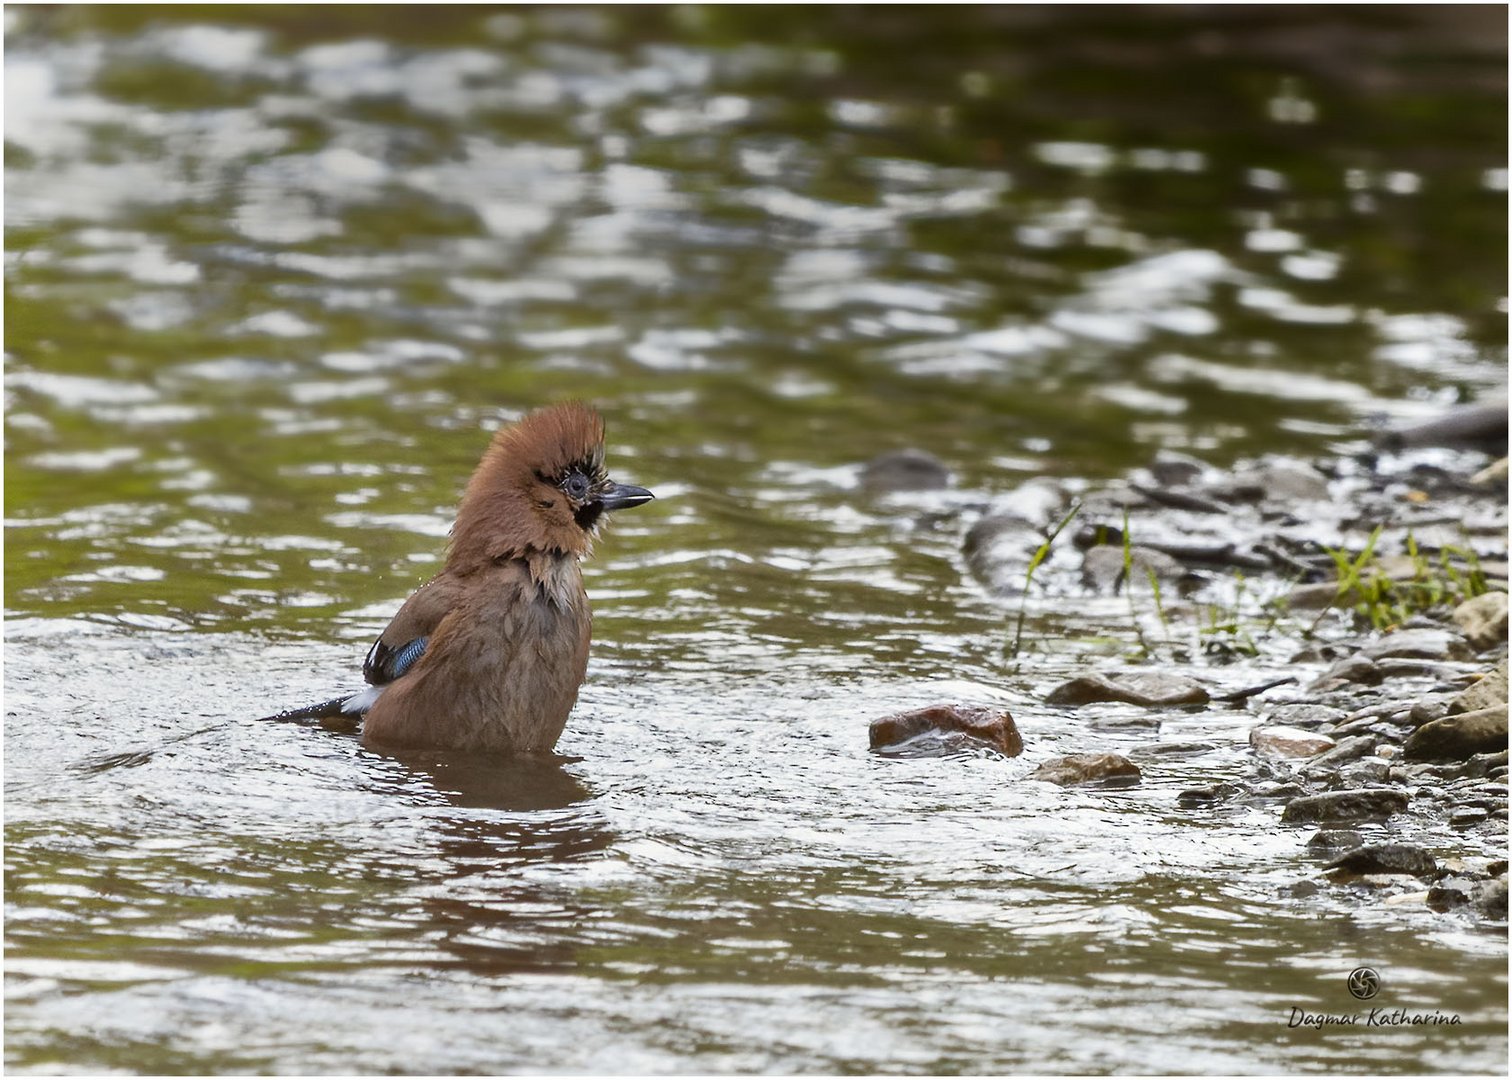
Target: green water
{"points": [[273, 274]]}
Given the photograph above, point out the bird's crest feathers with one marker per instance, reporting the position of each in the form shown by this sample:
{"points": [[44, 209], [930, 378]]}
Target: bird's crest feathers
{"points": [[514, 506]]}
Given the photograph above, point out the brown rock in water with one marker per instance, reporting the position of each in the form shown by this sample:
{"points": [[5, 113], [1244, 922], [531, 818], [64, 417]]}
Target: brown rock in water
{"points": [[1136, 688], [1483, 619], [1455, 738], [1277, 740], [1108, 770], [995, 727], [1360, 804]]}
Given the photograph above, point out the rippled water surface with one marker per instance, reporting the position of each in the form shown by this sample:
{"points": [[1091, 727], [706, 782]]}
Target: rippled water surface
{"points": [[272, 275]]}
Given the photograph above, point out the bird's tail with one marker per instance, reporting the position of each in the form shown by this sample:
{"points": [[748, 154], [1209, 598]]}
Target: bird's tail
{"points": [[326, 710]]}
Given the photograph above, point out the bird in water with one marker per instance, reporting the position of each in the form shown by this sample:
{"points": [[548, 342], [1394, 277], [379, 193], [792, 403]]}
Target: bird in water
{"points": [[488, 655]]}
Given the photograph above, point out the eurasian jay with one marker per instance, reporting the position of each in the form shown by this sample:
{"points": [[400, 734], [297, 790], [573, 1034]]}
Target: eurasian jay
{"points": [[488, 655]]}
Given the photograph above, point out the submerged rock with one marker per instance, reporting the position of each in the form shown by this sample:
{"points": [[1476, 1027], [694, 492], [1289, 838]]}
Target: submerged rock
{"points": [[1386, 859], [1277, 740], [1483, 619], [905, 470], [1457, 737], [1107, 770], [1137, 688], [993, 726], [1361, 804]]}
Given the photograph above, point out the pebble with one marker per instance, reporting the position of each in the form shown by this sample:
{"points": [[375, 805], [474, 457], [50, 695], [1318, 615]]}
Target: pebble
{"points": [[1386, 859], [1305, 715], [1276, 481], [1359, 804], [1335, 839], [1448, 893], [1429, 708], [1457, 737], [1174, 469], [1205, 796], [1418, 645], [1136, 688], [1350, 749], [1278, 740], [1491, 898], [1489, 691], [993, 726], [1352, 669], [1363, 773], [1103, 567], [1493, 476], [1483, 620], [1106, 770]]}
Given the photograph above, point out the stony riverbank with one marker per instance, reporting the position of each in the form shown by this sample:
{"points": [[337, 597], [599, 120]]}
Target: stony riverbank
{"points": [[1368, 588]]}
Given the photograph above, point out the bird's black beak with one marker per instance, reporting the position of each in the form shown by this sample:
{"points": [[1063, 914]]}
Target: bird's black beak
{"points": [[620, 496]]}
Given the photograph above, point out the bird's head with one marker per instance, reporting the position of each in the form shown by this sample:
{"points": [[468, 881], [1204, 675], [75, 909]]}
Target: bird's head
{"points": [[541, 487]]}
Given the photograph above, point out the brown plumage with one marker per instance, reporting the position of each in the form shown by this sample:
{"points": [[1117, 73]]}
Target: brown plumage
{"points": [[489, 654]]}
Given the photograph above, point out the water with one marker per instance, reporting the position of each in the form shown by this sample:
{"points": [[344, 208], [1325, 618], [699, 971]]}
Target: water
{"points": [[273, 277]]}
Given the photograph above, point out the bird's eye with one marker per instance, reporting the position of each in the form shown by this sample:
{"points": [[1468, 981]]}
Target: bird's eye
{"points": [[576, 485]]}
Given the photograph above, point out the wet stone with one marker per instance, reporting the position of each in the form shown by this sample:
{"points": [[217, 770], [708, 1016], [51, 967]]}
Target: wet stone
{"points": [[992, 726], [1360, 804], [905, 470], [1489, 691], [1427, 709], [1483, 620], [1104, 770], [1493, 476], [1418, 645], [1363, 773], [1491, 898], [1273, 789], [1103, 567], [1386, 859], [1335, 840], [1174, 469], [1457, 737], [1350, 749], [1275, 481], [1135, 688], [1353, 669], [1468, 816], [1277, 740], [1449, 893], [1208, 795], [1305, 715]]}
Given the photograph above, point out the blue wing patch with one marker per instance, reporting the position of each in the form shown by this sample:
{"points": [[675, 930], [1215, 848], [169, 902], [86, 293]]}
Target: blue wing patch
{"points": [[384, 665], [405, 657]]}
